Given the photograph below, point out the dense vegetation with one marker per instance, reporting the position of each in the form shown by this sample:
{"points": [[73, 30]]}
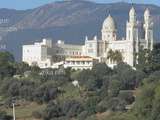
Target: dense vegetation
{"points": [[121, 93]]}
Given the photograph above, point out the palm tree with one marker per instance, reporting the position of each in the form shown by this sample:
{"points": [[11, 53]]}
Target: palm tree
{"points": [[118, 56], [115, 56], [110, 55]]}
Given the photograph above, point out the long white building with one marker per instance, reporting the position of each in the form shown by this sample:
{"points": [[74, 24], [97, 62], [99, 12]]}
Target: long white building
{"points": [[137, 36]]}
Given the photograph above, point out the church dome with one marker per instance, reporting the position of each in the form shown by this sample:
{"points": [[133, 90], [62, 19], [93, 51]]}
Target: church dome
{"points": [[109, 23], [132, 12]]}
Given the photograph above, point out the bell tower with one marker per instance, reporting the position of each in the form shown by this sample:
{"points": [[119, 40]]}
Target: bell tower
{"points": [[148, 28], [132, 36], [132, 26]]}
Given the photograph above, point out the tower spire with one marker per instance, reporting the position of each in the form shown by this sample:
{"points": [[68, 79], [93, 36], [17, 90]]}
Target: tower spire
{"points": [[132, 3], [108, 12]]}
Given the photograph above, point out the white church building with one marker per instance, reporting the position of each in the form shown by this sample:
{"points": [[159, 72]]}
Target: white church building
{"points": [[95, 50]]}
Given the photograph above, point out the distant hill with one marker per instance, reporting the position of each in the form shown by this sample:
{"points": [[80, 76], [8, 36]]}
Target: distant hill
{"points": [[69, 20]]}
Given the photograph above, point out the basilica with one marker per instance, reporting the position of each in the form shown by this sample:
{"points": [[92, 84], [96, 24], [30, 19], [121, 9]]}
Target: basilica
{"points": [[96, 50]]}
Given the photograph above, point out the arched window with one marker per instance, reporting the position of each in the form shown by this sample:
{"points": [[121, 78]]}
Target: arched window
{"points": [[129, 34]]}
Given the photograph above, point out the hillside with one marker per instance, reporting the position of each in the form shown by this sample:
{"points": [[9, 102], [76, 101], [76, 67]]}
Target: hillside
{"points": [[101, 93], [68, 20]]}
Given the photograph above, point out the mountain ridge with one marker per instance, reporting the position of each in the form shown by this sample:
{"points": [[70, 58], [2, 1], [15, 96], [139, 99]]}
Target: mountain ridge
{"points": [[68, 20]]}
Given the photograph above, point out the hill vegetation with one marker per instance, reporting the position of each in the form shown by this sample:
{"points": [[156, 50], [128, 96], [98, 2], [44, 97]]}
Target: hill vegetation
{"points": [[121, 93], [66, 20]]}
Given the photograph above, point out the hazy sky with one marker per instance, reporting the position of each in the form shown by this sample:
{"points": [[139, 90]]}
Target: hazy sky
{"points": [[27, 4]]}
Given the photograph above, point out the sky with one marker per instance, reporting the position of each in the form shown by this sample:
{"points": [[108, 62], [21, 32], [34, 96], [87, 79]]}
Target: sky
{"points": [[29, 4]]}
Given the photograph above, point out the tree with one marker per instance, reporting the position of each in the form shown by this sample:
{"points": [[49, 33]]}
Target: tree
{"points": [[127, 76], [91, 104], [93, 79], [4, 116], [45, 93], [127, 97], [155, 59], [17, 88], [35, 69], [52, 111], [83, 115], [6, 62], [21, 67], [101, 69], [156, 105], [144, 60], [71, 108], [110, 55], [114, 88], [115, 56], [144, 102], [149, 61], [6, 57], [118, 56]]}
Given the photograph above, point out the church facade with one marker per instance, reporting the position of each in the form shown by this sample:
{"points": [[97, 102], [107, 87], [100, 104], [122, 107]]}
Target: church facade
{"points": [[100, 49], [129, 45]]}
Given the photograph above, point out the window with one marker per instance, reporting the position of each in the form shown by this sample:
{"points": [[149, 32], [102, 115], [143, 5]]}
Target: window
{"points": [[90, 50], [129, 33], [149, 35], [90, 45]]}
